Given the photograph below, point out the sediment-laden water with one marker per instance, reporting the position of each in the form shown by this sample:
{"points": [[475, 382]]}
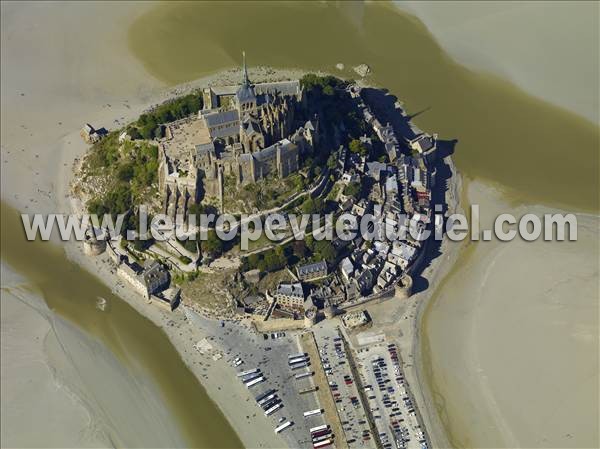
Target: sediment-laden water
{"points": [[538, 152], [73, 293]]}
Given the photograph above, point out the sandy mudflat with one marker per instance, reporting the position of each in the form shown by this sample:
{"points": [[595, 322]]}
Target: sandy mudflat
{"points": [[31, 395], [61, 70], [512, 338], [512, 335], [62, 388], [548, 48]]}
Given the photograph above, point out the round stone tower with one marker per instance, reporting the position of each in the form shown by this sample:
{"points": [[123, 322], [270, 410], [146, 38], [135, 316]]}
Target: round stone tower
{"points": [[310, 317], [329, 311], [404, 287], [91, 245]]}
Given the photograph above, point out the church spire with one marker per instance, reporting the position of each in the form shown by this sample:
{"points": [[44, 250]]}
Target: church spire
{"points": [[245, 80]]}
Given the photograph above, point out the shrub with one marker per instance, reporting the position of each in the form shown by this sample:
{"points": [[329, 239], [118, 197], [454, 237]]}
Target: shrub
{"points": [[353, 189]]}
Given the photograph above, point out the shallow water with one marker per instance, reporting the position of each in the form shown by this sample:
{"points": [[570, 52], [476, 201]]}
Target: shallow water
{"points": [[537, 152], [73, 293]]}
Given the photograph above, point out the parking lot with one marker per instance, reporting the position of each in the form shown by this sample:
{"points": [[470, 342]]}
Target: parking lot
{"points": [[344, 388], [273, 363], [392, 408], [270, 356]]}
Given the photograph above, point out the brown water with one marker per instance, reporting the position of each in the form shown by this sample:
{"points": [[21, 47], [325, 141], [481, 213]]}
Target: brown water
{"points": [[537, 152], [72, 293]]}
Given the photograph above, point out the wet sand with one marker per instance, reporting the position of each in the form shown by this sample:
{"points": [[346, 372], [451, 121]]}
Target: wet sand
{"points": [[510, 338], [547, 40], [32, 395], [507, 139], [64, 388], [130, 365]]}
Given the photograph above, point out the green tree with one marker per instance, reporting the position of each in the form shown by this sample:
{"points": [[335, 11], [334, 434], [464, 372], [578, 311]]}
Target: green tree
{"points": [[134, 133], [356, 146], [324, 250], [328, 90], [253, 261], [125, 172], [147, 131], [332, 162], [213, 244], [96, 206], [310, 241], [312, 206], [299, 249], [190, 245], [275, 260], [353, 189]]}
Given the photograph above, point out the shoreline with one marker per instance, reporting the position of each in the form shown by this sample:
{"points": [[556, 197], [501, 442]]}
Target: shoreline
{"points": [[547, 76], [436, 271], [476, 377], [254, 434], [38, 156], [231, 401], [450, 254]]}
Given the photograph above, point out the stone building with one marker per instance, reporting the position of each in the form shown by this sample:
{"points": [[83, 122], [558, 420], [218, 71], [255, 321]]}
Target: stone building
{"points": [[91, 135], [248, 131], [290, 296], [312, 271], [149, 280]]}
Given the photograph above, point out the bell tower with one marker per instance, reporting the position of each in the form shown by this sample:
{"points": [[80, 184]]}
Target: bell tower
{"points": [[245, 80]]}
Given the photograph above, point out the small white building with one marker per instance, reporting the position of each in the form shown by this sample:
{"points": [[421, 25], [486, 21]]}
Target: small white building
{"points": [[347, 268]]}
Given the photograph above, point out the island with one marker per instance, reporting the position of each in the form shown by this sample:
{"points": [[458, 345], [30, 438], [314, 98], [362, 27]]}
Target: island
{"points": [[319, 146]]}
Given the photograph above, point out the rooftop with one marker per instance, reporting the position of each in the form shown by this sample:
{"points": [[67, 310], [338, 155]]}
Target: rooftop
{"points": [[312, 268], [294, 290]]}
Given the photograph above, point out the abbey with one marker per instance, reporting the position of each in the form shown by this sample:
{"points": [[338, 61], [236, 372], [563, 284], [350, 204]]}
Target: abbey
{"points": [[249, 131]]}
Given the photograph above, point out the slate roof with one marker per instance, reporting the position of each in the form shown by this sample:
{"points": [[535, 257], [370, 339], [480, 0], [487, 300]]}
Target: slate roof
{"points": [[220, 118], [294, 290], [310, 268]]}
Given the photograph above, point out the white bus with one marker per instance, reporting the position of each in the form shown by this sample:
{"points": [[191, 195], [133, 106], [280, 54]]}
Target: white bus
{"points": [[267, 399], [297, 360], [299, 365], [314, 412], [322, 444], [250, 371], [303, 375], [273, 409], [321, 438], [255, 381], [318, 428], [294, 356], [264, 395], [247, 378], [285, 425]]}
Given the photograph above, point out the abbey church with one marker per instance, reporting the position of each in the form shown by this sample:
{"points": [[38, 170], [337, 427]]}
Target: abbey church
{"points": [[249, 131]]}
